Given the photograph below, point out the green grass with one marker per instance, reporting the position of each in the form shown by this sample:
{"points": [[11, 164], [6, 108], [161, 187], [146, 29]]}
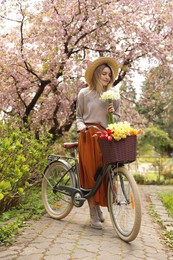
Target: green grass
{"points": [[167, 200], [168, 237], [12, 221]]}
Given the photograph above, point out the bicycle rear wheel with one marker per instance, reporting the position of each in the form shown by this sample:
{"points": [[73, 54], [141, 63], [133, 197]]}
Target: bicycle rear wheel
{"points": [[124, 204], [57, 203]]}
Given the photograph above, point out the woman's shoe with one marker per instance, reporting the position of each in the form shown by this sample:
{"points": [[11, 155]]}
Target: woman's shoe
{"points": [[100, 214], [95, 222]]}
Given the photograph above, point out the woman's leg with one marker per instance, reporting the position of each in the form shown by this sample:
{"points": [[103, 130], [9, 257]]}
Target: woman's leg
{"points": [[95, 220]]}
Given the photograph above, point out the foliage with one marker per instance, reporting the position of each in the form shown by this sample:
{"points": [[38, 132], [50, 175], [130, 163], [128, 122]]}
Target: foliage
{"points": [[8, 231], [167, 235], [140, 179], [158, 138], [154, 213], [167, 199], [47, 47], [156, 100], [149, 179], [148, 151], [22, 159], [153, 169], [167, 169], [31, 207]]}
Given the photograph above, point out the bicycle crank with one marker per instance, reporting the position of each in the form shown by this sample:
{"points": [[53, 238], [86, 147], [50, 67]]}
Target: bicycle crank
{"points": [[78, 199]]}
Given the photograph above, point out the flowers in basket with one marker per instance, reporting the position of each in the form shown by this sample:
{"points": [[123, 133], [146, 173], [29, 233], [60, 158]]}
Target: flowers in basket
{"points": [[118, 131], [122, 130], [109, 96]]}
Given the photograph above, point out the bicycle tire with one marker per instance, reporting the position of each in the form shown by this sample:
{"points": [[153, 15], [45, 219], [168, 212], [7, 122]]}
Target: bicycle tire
{"points": [[124, 205], [57, 204]]}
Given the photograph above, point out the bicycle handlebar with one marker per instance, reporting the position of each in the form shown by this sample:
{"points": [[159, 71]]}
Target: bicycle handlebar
{"points": [[93, 126]]}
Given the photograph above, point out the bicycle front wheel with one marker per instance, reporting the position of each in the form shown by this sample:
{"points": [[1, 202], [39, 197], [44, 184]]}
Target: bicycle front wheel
{"points": [[57, 203], [124, 204]]}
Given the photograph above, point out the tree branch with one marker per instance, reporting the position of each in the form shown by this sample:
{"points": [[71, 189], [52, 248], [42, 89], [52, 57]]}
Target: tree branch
{"points": [[32, 104]]}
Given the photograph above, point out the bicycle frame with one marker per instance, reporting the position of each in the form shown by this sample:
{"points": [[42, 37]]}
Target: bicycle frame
{"points": [[84, 193], [87, 193]]}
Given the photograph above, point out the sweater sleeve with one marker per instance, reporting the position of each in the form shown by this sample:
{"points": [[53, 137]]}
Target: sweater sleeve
{"points": [[80, 111]]}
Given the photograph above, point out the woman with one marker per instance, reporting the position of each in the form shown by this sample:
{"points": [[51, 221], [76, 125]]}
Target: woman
{"points": [[99, 76]]}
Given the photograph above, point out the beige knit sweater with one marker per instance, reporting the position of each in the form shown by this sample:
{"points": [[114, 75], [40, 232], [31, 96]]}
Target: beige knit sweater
{"points": [[90, 109]]}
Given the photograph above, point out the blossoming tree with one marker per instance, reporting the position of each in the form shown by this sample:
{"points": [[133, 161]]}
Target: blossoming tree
{"points": [[158, 105], [45, 52]]}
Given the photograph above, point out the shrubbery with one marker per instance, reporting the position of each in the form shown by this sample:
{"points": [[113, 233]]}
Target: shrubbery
{"points": [[167, 169], [22, 159], [158, 139]]}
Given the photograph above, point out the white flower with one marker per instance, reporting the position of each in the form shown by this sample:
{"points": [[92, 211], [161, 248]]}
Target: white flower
{"points": [[110, 94]]}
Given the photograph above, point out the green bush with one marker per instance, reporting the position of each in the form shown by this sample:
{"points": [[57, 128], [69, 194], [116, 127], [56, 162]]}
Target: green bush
{"points": [[140, 179], [148, 179], [11, 221], [22, 159], [156, 137], [167, 170]]}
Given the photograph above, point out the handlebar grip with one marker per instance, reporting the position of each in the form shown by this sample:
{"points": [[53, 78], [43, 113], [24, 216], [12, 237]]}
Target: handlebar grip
{"points": [[91, 126]]}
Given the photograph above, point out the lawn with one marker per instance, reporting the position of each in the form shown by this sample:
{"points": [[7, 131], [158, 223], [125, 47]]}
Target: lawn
{"points": [[167, 200]]}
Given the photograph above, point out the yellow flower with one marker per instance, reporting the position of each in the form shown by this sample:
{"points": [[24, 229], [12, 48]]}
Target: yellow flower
{"points": [[122, 130]]}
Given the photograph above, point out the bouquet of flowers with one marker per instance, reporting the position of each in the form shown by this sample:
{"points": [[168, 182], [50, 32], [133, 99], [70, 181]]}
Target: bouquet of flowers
{"points": [[122, 130], [109, 96], [118, 131]]}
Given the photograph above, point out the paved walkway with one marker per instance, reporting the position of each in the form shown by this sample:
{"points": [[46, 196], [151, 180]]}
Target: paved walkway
{"points": [[73, 239]]}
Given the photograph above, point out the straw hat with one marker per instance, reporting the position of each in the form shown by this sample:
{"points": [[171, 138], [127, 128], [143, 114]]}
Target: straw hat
{"points": [[93, 65]]}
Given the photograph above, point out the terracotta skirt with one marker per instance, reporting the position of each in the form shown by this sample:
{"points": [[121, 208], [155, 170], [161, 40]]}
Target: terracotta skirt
{"points": [[90, 159]]}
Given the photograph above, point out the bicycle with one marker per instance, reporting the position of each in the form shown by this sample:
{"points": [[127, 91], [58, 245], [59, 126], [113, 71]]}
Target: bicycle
{"points": [[61, 191]]}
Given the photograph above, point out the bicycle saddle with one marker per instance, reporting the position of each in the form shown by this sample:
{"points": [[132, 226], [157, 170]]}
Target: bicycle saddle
{"points": [[71, 145]]}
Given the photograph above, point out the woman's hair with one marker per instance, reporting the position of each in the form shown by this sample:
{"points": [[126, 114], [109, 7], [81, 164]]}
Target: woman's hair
{"points": [[95, 82]]}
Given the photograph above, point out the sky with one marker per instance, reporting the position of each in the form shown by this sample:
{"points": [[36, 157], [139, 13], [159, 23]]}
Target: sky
{"points": [[137, 83], [137, 78]]}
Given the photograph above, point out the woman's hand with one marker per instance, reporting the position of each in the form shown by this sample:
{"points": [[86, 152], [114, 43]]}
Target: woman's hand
{"points": [[83, 129], [111, 108]]}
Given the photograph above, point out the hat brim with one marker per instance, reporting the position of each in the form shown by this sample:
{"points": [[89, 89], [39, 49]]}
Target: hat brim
{"points": [[102, 60]]}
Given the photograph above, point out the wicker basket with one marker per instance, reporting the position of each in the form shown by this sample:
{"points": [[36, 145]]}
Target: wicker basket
{"points": [[123, 151]]}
